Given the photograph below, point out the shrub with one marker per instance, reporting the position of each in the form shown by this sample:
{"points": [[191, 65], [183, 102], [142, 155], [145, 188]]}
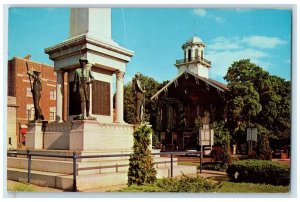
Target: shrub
{"points": [[259, 171], [218, 166], [182, 184], [141, 167], [23, 187], [216, 153], [263, 149]]}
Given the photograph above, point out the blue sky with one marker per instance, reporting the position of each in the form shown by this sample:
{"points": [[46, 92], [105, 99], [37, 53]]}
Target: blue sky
{"points": [[156, 36]]}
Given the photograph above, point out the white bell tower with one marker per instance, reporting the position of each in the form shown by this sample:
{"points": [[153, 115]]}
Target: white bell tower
{"points": [[194, 58]]}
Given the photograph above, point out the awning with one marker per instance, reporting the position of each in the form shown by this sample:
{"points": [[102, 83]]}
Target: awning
{"points": [[23, 129]]}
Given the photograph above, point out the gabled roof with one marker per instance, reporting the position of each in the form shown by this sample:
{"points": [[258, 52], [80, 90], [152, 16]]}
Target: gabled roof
{"points": [[211, 82]]}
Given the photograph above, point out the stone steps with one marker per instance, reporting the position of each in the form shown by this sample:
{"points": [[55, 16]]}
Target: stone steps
{"points": [[91, 173], [83, 168], [87, 181]]}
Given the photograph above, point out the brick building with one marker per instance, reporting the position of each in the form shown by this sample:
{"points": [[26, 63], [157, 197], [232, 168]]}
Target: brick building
{"points": [[19, 87]]}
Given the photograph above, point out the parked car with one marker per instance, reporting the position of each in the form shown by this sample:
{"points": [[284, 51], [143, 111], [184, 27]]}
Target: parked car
{"points": [[191, 154], [207, 151], [277, 153]]}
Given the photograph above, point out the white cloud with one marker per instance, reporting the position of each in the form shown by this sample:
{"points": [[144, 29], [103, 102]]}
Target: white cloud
{"points": [[221, 43], [218, 19], [223, 51], [263, 41], [200, 12], [242, 10], [221, 60]]}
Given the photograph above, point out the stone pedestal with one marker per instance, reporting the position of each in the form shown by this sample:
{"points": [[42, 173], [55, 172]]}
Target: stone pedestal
{"points": [[34, 136], [90, 135]]}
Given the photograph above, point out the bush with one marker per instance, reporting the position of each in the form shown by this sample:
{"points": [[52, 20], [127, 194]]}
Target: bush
{"points": [[259, 171], [217, 166], [182, 184], [141, 167]]}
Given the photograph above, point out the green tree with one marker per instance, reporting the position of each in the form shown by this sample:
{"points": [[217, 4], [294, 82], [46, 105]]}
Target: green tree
{"points": [[256, 97], [141, 166]]}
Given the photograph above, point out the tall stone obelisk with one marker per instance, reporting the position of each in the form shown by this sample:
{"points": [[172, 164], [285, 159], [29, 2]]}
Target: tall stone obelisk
{"points": [[90, 36]]}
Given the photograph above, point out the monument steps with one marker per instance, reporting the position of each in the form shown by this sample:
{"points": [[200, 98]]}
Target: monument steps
{"points": [[91, 174], [87, 181], [83, 168]]}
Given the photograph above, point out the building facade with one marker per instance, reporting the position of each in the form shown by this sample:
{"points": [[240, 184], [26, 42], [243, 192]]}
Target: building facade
{"points": [[12, 138], [189, 102], [20, 90]]}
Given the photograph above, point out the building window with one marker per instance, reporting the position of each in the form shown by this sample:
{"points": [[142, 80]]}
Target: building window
{"points": [[30, 112], [53, 95], [52, 113], [189, 55], [9, 140], [196, 53], [28, 92]]}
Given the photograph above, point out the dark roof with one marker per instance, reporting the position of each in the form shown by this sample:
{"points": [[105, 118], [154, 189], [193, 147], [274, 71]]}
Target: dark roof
{"points": [[222, 87]]}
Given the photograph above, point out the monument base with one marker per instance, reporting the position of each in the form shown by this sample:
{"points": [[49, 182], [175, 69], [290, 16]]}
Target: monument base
{"points": [[90, 135], [35, 136], [86, 138]]}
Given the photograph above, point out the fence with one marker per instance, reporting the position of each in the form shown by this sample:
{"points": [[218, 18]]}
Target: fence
{"points": [[75, 157]]}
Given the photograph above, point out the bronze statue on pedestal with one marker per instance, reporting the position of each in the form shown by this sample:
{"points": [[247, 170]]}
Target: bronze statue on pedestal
{"points": [[139, 93], [82, 79], [36, 89]]}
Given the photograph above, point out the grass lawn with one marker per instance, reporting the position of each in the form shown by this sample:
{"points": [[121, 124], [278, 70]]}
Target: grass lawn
{"points": [[20, 187], [188, 164], [232, 187], [198, 185]]}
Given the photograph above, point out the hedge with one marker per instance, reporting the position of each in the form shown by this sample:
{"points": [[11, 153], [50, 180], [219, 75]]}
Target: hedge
{"points": [[259, 171], [181, 184]]}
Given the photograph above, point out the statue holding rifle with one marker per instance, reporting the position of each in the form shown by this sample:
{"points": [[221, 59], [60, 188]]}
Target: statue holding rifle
{"points": [[36, 89], [82, 79], [139, 93]]}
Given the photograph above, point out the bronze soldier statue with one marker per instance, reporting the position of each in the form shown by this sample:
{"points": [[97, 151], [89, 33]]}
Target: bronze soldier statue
{"points": [[139, 93], [36, 94], [82, 79]]}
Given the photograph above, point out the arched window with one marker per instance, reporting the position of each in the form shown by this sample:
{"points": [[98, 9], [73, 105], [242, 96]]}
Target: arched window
{"points": [[201, 54], [196, 53], [189, 55]]}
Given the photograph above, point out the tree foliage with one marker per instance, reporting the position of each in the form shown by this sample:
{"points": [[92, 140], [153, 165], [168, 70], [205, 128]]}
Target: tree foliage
{"points": [[222, 137], [256, 97], [141, 166]]}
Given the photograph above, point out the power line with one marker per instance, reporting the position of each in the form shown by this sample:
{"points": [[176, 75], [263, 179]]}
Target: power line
{"points": [[124, 26]]}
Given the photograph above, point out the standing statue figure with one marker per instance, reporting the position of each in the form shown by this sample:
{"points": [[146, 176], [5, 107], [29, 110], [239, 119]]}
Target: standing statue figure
{"points": [[139, 93], [82, 79], [36, 90]]}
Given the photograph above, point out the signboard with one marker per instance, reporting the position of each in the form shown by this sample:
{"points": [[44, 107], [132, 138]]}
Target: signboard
{"points": [[206, 137], [252, 134]]}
